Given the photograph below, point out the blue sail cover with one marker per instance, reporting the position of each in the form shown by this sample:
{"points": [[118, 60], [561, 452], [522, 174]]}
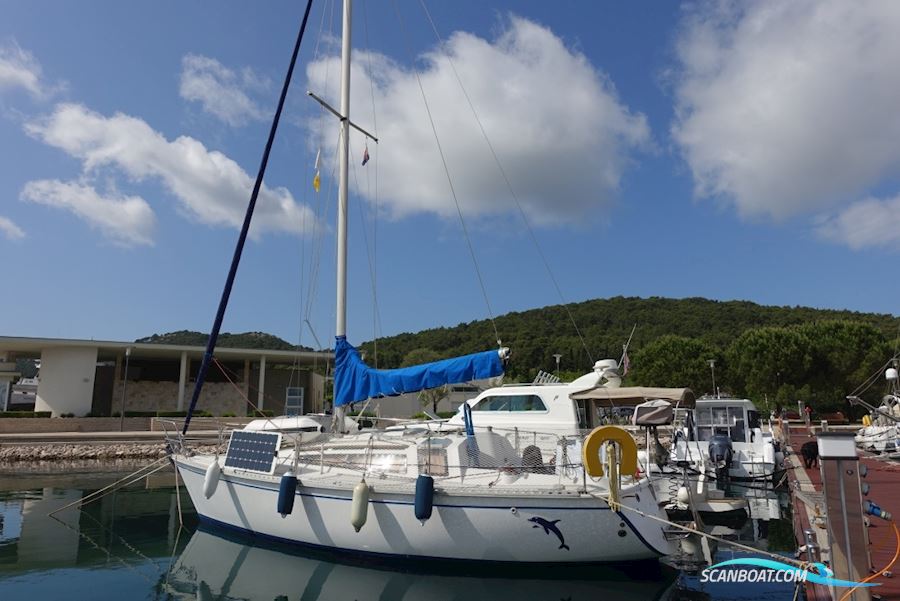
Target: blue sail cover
{"points": [[355, 381]]}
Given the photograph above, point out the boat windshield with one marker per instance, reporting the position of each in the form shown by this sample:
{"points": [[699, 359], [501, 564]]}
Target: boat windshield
{"points": [[721, 420], [518, 402]]}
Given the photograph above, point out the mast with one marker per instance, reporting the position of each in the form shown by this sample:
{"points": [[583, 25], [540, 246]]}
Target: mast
{"points": [[343, 181], [340, 329]]}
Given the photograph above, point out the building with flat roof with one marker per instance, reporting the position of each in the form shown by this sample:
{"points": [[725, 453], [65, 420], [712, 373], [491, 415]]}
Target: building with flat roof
{"points": [[81, 377]]}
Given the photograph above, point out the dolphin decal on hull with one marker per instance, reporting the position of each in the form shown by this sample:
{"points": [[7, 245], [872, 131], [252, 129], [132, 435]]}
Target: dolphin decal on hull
{"points": [[549, 527]]}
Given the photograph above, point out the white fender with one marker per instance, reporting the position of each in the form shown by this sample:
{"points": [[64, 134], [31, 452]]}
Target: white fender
{"points": [[211, 480], [769, 453], [359, 508]]}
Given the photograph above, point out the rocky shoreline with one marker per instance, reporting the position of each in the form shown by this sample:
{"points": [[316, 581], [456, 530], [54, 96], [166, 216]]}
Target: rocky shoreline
{"points": [[77, 452]]}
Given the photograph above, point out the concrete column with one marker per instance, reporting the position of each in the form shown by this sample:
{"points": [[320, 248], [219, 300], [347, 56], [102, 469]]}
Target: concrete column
{"points": [[67, 380], [261, 393], [182, 380], [246, 378], [119, 371]]}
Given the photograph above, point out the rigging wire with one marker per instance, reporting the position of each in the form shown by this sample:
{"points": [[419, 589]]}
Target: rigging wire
{"points": [[509, 186], [870, 381], [370, 252], [245, 227], [322, 206], [308, 248], [437, 140], [376, 314]]}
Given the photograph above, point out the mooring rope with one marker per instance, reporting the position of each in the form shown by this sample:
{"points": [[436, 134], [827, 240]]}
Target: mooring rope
{"points": [[98, 494], [804, 565]]}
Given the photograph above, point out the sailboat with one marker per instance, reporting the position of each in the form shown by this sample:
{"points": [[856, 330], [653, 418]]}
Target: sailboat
{"points": [[881, 427], [471, 489]]}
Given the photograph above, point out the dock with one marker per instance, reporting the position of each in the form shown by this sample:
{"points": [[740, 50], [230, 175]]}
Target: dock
{"points": [[809, 512]]}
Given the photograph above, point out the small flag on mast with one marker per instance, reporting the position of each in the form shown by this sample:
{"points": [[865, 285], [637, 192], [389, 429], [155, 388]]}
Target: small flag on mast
{"points": [[317, 181], [366, 155], [625, 364]]}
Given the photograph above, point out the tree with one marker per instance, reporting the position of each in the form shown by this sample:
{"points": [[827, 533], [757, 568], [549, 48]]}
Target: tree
{"points": [[677, 361], [419, 356], [431, 396], [770, 361], [844, 354]]}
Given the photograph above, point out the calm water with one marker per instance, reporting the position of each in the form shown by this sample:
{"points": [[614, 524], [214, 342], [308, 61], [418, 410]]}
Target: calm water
{"points": [[131, 545]]}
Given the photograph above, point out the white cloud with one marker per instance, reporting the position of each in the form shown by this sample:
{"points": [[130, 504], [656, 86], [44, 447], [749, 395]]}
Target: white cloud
{"points": [[870, 223], [786, 108], [563, 136], [125, 220], [10, 229], [210, 187], [19, 69], [222, 92]]}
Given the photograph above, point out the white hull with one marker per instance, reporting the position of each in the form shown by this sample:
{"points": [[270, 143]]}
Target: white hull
{"points": [[882, 439], [751, 461], [488, 527]]}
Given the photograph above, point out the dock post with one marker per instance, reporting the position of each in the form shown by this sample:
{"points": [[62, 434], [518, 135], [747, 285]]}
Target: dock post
{"points": [[813, 552], [847, 538]]}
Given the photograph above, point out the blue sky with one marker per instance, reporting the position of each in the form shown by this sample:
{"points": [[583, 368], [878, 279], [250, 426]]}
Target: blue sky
{"points": [[731, 152]]}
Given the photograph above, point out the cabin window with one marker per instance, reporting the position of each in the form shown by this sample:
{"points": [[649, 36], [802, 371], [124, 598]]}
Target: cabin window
{"points": [[704, 416], [583, 415], [378, 462], [728, 421], [514, 402], [720, 416], [434, 463], [736, 421], [393, 462], [753, 419]]}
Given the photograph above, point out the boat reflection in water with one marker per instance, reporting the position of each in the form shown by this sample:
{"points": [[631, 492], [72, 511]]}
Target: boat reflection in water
{"points": [[219, 565]]}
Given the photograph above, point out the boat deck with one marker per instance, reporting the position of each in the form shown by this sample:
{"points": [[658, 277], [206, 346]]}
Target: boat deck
{"points": [[806, 491]]}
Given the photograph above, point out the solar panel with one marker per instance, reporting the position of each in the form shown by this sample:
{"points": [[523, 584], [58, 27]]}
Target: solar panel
{"points": [[253, 451]]}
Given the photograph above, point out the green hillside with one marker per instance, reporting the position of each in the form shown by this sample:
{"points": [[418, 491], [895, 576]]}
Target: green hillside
{"points": [[248, 340], [774, 354], [537, 334], [777, 353]]}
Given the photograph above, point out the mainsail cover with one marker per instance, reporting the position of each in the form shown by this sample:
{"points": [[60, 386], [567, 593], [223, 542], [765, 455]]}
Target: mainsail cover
{"points": [[355, 381]]}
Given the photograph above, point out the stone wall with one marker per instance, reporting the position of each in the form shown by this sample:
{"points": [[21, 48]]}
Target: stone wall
{"points": [[216, 397], [41, 425]]}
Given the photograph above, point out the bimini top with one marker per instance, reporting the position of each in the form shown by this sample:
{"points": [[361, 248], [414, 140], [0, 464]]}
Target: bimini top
{"points": [[629, 396]]}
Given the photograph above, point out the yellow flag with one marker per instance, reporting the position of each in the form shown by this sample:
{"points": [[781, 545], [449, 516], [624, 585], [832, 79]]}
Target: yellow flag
{"points": [[316, 182]]}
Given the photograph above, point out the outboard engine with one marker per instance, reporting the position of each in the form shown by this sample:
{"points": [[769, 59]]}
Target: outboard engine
{"points": [[720, 454], [660, 454]]}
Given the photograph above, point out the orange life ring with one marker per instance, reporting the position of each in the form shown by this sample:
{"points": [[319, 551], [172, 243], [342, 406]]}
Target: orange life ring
{"points": [[590, 450]]}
